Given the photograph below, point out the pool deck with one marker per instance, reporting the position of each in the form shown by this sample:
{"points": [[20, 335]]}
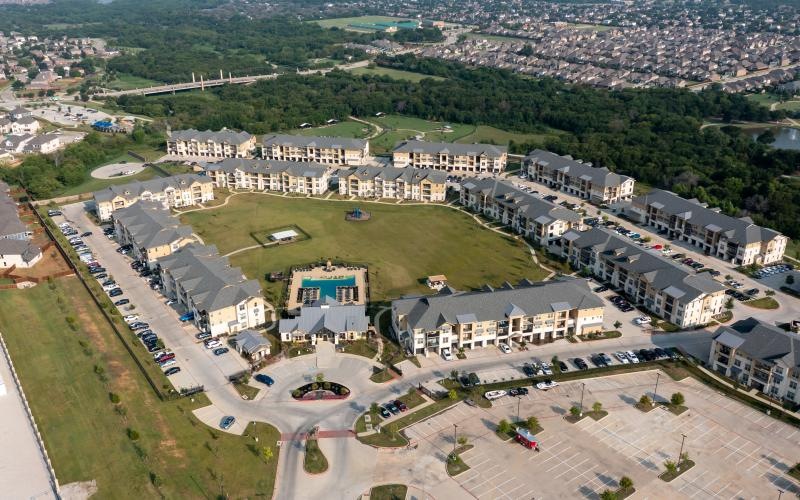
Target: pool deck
{"points": [[320, 272]]}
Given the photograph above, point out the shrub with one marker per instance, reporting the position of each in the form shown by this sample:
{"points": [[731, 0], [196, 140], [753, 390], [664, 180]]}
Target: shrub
{"points": [[671, 466], [608, 495], [533, 422], [113, 397], [575, 411], [453, 395], [677, 399], [645, 400], [625, 483], [503, 427], [597, 406], [132, 434]]}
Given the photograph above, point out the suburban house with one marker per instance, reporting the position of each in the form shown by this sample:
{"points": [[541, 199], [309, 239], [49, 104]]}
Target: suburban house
{"points": [[151, 230], [45, 143], [649, 279], [598, 185], [17, 143], [738, 241], [527, 214], [178, 191], [457, 159], [269, 175], [252, 345], [525, 312], [759, 355], [324, 150], [219, 296], [210, 144], [16, 249], [405, 183], [326, 319]]}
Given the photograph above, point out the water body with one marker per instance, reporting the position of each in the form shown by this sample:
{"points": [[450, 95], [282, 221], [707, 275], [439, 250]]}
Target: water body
{"points": [[785, 137]]}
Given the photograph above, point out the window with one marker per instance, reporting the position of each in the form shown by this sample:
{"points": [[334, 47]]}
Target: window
{"points": [[792, 385]]}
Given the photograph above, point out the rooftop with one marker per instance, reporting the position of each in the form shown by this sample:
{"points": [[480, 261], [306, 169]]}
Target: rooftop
{"points": [[489, 150], [762, 341]]}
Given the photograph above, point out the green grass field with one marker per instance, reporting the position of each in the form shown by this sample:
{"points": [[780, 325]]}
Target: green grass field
{"points": [[492, 135], [344, 22], [345, 128], [68, 377], [127, 82], [400, 244], [393, 73]]}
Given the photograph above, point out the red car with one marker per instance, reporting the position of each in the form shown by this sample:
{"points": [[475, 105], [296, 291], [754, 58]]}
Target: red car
{"points": [[400, 405]]}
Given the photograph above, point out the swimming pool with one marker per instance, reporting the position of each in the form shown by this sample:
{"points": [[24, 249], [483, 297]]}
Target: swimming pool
{"points": [[327, 287]]}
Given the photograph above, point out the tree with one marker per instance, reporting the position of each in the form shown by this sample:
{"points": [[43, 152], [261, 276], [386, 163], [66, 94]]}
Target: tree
{"points": [[790, 279], [684, 457], [266, 453], [320, 377], [373, 408], [671, 466], [617, 324], [608, 495], [452, 394], [597, 407], [18, 85], [645, 400], [575, 411], [462, 440], [454, 374], [625, 483], [729, 303], [677, 399], [503, 427], [533, 423]]}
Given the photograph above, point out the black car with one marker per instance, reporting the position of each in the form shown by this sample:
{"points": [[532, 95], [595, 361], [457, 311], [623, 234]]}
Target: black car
{"points": [[646, 355], [100, 276], [87, 233], [115, 292], [752, 292], [172, 371], [599, 361], [580, 363], [528, 370], [563, 366], [660, 353], [122, 302], [601, 289], [518, 391], [97, 270], [384, 412]]}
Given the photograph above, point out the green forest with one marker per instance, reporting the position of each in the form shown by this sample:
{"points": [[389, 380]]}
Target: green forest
{"points": [[654, 135]]}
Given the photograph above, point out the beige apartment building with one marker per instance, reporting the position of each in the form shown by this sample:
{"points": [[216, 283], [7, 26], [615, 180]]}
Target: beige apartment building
{"points": [[536, 218], [598, 185], [526, 312], [457, 159], [210, 144], [325, 150], [406, 183], [269, 175], [647, 278], [221, 299], [184, 190], [738, 241], [152, 231]]}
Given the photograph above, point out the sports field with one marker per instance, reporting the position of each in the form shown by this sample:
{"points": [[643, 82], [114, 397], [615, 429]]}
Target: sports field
{"points": [[393, 73], [401, 244], [346, 128]]}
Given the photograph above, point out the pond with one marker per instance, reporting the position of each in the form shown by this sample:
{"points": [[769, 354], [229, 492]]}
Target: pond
{"points": [[785, 137]]}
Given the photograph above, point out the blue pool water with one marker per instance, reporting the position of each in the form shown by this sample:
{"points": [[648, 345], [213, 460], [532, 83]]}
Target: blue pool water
{"points": [[327, 287]]}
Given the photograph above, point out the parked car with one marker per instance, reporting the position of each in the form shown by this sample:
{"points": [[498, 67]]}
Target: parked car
{"points": [[622, 357], [632, 357], [384, 412], [546, 384], [130, 318], [563, 366], [115, 292], [601, 289], [53, 213], [492, 395], [642, 320], [580, 363], [202, 335], [392, 408], [122, 302], [546, 369], [504, 347], [187, 317], [400, 405], [518, 391], [227, 422], [213, 344], [528, 370], [164, 363], [264, 379], [446, 354], [220, 351]]}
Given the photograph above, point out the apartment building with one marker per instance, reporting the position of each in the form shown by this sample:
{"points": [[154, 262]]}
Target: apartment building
{"points": [[738, 241], [457, 159], [526, 312], [662, 287], [16, 249], [598, 185], [527, 214], [151, 230], [759, 355], [269, 175], [210, 144], [324, 150], [405, 183], [326, 320], [184, 190], [222, 300]]}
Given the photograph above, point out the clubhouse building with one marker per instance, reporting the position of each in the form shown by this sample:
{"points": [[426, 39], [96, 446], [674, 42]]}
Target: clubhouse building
{"points": [[650, 280], [457, 159], [759, 355], [151, 230], [221, 299], [337, 151], [538, 219], [406, 183], [209, 144], [598, 185], [326, 319], [738, 241], [269, 175], [524, 312], [184, 190]]}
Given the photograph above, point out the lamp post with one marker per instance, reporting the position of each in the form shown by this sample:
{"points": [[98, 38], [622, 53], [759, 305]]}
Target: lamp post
{"points": [[519, 400], [655, 391], [583, 388], [455, 437], [680, 453], [780, 494]]}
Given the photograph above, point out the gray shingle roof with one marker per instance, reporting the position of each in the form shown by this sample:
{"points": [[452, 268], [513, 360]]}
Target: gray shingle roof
{"points": [[250, 341], [159, 185], [663, 274], [252, 166], [150, 225], [327, 315], [410, 175], [489, 150], [305, 141], [741, 231], [762, 341], [221, 136], [532, 206], [10, 224], [430, 312], [24, 248], [600, 176]]}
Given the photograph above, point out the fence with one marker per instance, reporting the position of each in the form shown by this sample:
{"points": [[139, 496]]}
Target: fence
{"points": [[62, 199], [51, 472]]}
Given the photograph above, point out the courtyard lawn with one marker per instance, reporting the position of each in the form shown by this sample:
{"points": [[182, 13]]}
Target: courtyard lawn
{"points": [[345, 22], [401, 244], [346, 128], [393, 73], [69, 376]]}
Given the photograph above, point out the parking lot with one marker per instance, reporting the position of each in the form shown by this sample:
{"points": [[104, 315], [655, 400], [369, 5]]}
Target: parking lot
{"points": [[198, 365], [739, 452]]}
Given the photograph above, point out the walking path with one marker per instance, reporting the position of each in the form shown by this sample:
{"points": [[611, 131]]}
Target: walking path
{"points": [[376, 129]]}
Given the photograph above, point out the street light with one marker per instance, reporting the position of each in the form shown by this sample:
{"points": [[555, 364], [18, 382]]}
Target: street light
{"points": [[455, 437], [680, 453], [583, 388], [655, 391], [519, 400]]}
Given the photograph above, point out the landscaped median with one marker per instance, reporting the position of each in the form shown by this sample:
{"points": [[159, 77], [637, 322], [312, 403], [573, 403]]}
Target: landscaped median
{"points": [[314, 461]]}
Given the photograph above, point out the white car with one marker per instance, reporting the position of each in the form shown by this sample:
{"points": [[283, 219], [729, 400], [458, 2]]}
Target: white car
{"points": [[446, 354], [504, 347], [213, 344], [642, 320], [546, 369], [622, 357], [168, 363], [546, 384], [129, 318], [492, 395], [632, 356]]}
